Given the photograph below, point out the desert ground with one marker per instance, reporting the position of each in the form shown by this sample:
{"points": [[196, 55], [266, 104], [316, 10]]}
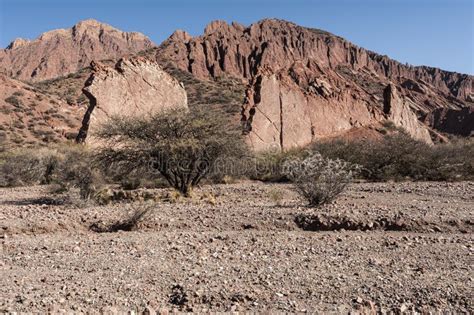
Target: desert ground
{"points": [[249, 246]]}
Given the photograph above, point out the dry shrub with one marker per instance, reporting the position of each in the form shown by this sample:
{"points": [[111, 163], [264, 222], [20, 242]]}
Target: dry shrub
{"points": [[28, 166], [276, 196], [398, 156], [67, 166], [131, 221], [319, 180], [269, 165], [76, 170]]}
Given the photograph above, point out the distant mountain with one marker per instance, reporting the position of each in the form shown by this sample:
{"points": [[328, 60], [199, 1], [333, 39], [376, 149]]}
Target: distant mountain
{"points": [[60, 52]]}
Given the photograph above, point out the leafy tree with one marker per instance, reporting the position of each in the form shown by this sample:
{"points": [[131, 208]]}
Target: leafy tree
{"points": [[183, 146]]}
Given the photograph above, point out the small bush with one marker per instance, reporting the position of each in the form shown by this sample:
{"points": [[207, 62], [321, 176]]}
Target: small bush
{"points": [[13, 99], [276, 196], [268, 166], [28, 167], [319, 180], [77, 170], [129, 223]]}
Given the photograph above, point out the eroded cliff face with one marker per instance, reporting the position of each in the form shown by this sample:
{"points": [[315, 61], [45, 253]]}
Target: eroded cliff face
{"points": [[399, 112], [134, 87], [60, 52], [279, 115], [454, 121], [305, 84]]}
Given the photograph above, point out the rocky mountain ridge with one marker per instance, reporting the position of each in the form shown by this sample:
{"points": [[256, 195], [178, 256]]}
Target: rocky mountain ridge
{"points": [[305, 84]]}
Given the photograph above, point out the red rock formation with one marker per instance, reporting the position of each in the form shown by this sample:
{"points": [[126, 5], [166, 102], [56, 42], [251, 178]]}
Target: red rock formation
{"points": [[60, 52], [135, 87], [399, 112], [306, 83]]}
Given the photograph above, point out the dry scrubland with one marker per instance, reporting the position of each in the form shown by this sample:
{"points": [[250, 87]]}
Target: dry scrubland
{"points": [[242, 246], [105, 233]]}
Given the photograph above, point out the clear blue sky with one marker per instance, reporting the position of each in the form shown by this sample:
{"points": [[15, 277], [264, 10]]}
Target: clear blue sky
{"points": [[421, 32]]}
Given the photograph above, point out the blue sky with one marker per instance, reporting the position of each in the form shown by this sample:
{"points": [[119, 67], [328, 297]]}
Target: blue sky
{"points": [[421, 32]]}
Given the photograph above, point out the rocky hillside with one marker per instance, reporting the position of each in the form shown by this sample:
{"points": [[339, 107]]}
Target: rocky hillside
{"points": [[304, 84], [63, 51], [30, 117]]}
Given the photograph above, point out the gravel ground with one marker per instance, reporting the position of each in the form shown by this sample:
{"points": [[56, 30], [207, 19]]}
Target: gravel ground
{"points": [[399, 247]]}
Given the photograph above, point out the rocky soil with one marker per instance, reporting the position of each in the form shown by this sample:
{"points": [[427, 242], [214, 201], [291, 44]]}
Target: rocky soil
{"points": [[249, 246]]}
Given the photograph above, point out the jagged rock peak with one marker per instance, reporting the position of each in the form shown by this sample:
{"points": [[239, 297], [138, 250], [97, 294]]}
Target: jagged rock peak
{"points": [[18, 42], [181, 35]]}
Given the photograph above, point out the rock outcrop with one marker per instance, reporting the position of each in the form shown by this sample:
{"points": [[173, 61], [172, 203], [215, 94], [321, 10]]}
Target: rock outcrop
{"points": [[134, 87], [399, 112], [63, 51], [305, 84]]}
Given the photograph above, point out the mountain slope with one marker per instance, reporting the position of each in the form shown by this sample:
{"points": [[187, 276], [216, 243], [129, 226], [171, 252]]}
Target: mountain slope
{"points": [[60, 52], [29, 116]]}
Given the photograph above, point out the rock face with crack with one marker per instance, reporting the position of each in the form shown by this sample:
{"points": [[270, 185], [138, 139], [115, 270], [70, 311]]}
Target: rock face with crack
{"points": [[305, 84], [135, 87], [60, 52], [398, 111]]}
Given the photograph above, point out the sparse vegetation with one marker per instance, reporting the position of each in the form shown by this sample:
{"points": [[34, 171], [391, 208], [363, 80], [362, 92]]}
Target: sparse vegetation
{"points": [[129, 223], [27, 166], [14, 100], [398, 157], [77, 170], [319, 180], [65, 166]]}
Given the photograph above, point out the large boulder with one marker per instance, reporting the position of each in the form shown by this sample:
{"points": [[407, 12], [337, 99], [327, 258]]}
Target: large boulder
{"points": [[134, 87]]}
